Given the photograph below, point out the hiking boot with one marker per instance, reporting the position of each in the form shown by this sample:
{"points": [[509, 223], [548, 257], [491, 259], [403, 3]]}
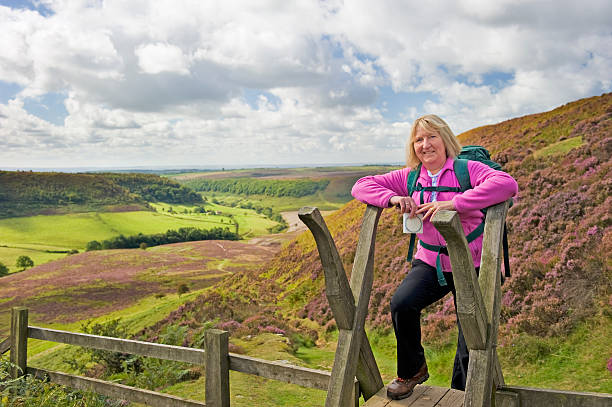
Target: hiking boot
{"points": [[401, 388]]}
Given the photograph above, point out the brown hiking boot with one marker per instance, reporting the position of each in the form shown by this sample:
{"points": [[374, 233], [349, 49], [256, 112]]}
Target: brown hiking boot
{"points": [[401, 388]]}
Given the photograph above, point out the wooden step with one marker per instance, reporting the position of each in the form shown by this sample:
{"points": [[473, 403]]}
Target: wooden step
{"points": [[422, 396]]}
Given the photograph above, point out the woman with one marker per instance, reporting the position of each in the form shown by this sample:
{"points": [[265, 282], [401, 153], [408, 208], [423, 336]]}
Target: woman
{"points": [[432, 144]]}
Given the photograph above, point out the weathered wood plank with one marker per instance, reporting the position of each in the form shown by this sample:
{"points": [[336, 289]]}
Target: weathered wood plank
{"points": [[489, 279], [114, 390], [368, 374], [478, 385], [342, 300], [336, 283], [507, 399], [362, 278], [532, 397], [430, 397], [217, 368], [19, 341], [379, 399], [155, 350], [345, 366], [5, 345], [484, 372], [302, 376], [452, 398], [470, 307], [416, 393]]}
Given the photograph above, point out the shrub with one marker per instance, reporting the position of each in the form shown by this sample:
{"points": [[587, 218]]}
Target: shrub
{"points": [[182, 289], [143, 246], [31, 392], [93, 245], [3, 270], [113, 362]]}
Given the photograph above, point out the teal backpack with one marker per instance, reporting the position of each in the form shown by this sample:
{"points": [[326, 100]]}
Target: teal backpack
{"points": [[460, 166]]}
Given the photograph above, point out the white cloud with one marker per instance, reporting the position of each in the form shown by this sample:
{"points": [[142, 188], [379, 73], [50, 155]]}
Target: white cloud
{"points": [[243, 82], [158, 57]]}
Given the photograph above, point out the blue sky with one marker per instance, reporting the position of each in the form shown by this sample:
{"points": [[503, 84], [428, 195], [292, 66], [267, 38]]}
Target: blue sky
{"points": [[119, 83]]}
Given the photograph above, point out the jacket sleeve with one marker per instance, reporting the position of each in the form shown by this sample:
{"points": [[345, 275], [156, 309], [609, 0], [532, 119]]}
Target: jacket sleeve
{"points": [[490, 187], [378, 189]]}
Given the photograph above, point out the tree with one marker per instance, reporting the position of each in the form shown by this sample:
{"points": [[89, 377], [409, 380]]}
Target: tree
{"points": [[3, 270], [23, 262], [93, 245]]}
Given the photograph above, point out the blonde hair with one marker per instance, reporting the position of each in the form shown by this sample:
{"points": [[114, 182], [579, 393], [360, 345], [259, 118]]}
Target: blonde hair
{"points": [[431, 123]]}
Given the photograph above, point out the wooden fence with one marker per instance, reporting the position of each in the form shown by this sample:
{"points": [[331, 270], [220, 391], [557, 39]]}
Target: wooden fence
{"points": [[215, 357]]}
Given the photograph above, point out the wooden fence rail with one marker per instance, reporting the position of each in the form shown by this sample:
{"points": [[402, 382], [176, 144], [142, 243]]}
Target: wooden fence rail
{"points": [[5, 345], [216, 358]]}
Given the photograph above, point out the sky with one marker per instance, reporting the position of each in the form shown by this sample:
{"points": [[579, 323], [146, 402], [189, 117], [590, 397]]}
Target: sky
{"points": [[197, 83]]}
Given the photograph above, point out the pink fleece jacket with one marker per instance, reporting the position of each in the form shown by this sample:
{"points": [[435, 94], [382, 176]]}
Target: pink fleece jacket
{"points": [[490, 187]]}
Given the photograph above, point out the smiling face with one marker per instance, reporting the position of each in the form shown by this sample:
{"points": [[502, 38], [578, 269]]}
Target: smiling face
{"points": [[430, 149]]}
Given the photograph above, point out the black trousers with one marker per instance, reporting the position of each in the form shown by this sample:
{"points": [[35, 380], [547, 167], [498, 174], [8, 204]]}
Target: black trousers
{"points": [[419, 289]]}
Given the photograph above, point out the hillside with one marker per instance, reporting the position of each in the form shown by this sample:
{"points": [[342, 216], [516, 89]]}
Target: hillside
{"points": [[560, 233], [93, 284], [282, 189], [30, 193]]}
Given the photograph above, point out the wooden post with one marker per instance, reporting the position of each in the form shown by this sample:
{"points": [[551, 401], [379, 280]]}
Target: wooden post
{"points": [[349, 304], [217, 368], [19, 341]]}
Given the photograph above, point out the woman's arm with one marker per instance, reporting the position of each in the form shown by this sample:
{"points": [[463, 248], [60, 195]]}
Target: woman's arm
{"points": [[377, 190], [490, 187]]}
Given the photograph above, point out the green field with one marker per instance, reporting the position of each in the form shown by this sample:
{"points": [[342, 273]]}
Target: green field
{"points": [[279, 204], [35, 236], [250, 223]]}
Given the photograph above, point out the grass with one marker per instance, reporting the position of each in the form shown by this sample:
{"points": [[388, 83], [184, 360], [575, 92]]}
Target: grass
{"points": [[577, 362], [280, 204], [250, 223], [560, 147], [9, 255], [34, 236], [145, 312]]}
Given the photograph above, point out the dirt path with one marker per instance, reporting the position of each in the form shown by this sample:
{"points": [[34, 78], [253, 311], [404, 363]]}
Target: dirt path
{"points": [[295, 224]]}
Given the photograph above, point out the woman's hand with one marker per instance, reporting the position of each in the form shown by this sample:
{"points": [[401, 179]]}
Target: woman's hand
{"points": [[405, 203], [431, 208]]}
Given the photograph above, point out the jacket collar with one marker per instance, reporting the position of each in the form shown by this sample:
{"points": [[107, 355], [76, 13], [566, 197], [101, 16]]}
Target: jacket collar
{"points": [[448, 165]]}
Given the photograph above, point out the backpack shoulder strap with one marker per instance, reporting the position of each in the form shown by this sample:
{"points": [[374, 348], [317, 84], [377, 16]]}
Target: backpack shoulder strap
{"points": [[461, 172], [413, 176]]}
